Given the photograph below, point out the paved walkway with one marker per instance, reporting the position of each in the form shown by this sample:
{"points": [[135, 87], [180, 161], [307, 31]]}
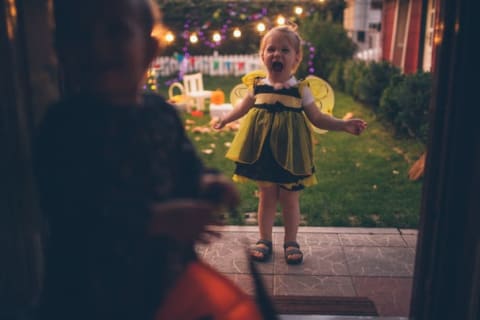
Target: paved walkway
{"points": [[369, 262]]}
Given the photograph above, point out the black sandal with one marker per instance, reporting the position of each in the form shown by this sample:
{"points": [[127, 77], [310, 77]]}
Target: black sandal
{"points": [[293, 248], [265, 251]]}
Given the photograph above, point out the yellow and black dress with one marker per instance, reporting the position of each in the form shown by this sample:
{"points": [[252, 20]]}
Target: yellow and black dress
{"points": [[274, 142]]}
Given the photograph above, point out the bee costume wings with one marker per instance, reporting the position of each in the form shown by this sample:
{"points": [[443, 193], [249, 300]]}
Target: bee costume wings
{"points": [[321, 90]]}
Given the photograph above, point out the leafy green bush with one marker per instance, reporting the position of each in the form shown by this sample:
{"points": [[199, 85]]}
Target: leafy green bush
{"points": [[331, 43], [373, 82], [336, 77], [405, 104], [353, 72]]}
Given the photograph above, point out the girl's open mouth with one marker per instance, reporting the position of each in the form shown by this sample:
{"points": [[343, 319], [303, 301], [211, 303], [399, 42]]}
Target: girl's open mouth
{"points": [[277, 66]]}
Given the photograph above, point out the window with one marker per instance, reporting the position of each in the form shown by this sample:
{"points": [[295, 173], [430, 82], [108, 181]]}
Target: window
{"points": [[361, 36], [375, 26], [376, 5]]}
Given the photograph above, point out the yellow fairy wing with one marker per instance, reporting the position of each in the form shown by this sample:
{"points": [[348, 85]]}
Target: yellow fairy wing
{"points": [[250, 77], [241, 90], [324, 96], [238, 92]]}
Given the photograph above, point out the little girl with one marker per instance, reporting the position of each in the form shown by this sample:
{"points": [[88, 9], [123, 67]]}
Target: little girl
{"points": [[274, 144]]}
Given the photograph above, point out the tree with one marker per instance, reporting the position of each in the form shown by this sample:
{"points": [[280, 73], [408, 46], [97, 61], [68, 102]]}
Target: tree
{"points": [[330, 41], [205, 17]]}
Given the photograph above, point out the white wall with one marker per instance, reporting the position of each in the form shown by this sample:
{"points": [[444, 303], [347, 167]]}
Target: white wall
{"points": [[359, 16]]}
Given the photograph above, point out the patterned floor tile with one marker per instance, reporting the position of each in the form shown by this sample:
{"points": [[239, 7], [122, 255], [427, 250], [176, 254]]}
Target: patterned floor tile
{"points": [[245, 282], [373, 240], [373, 262], [411, 240], [313, 285], [380, 261], [311, 239], [233, 259], [390, 295], [316, 261]]}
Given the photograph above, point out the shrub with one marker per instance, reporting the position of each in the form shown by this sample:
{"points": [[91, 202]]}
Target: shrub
{"points": [[336, 77], [376, 78], [405, 104], [353, 72], [331, 43]]}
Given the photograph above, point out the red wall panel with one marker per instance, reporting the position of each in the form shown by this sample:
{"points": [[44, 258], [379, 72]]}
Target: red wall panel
{"points": [[411, 64], [388, 19]]}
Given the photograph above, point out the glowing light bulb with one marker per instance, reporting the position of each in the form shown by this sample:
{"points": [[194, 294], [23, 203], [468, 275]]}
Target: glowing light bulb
{"points": [[237, 33], [261, 27], [169, 37], [193, 38], [298, 10], [281, 20], [217, 37]]}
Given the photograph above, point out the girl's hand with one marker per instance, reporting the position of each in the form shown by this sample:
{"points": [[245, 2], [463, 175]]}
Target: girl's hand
{"points": [[354, 126], [218, 123]]}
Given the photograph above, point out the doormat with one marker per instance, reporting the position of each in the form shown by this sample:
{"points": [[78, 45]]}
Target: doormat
{"points": [[358, 306]]}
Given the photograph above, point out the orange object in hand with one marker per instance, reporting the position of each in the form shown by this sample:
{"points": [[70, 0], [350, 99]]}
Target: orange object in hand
{"points": [[203, 293]]}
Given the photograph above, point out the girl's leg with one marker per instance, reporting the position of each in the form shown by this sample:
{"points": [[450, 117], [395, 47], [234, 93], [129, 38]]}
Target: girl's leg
{"points": [[290, 202], [267, 207]]}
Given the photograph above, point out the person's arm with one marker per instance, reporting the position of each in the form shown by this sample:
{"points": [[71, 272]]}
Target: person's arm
{"points": [[213, 186], [327, 122], [238, 111]]}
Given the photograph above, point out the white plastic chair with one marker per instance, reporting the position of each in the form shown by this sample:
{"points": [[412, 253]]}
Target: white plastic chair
{"points": [[193, 85]]}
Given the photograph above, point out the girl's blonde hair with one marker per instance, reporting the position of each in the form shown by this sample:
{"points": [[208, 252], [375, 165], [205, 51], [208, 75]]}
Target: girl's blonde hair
{"points": [[289, 30]]}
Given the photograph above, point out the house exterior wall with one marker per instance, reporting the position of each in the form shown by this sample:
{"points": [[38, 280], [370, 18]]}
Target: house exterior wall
{"points": [[418, 51], [431, 32], [388, 26], [429, 36], [362, 21], [412, 54]]}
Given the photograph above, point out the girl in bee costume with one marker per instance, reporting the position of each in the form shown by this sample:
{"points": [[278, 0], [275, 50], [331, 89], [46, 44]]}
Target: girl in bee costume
{"points": [[274, 145]]}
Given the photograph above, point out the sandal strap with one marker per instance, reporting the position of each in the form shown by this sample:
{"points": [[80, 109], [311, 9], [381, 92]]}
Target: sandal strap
{"points": [[267, 243], [292, 251], [263, 250], [264, 247], [292, 248], [291, 244]]}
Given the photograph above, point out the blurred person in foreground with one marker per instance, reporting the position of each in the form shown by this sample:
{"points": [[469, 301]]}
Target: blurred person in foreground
{"points": [[123, 191]]}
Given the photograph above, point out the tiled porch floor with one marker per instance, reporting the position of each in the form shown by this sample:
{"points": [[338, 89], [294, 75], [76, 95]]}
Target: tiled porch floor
{"points": [[370, 262]]}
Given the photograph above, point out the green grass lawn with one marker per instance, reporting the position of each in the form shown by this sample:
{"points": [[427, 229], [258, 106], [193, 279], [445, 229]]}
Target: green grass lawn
{"points": [[363, 181]]}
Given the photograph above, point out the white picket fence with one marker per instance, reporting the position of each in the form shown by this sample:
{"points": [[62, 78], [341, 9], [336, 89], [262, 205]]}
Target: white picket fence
{"points": [[215, 65], [374, 54]]}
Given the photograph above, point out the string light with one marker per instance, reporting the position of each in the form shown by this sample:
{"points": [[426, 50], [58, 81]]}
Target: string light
{"points": [[261, 27], [169, 37], [298, 10], [193, 38], [216, 37], [237, 33], [311, 55], [194, 33], [198, 35]]}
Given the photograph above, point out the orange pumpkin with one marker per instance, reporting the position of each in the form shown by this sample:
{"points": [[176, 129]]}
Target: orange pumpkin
{"points": [[217, 97], [202, 292]]}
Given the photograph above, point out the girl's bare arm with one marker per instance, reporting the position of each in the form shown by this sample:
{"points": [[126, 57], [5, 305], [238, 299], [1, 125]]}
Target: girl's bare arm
{"points": [[327, 122], [238, 111]]}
